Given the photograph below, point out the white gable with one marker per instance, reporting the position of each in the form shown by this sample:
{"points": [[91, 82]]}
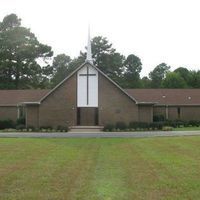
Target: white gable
{"points": [[87, 87]]}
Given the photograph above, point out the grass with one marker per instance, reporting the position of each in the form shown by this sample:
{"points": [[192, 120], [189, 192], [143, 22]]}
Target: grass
{"points": [[98, 169], [191, 128]]}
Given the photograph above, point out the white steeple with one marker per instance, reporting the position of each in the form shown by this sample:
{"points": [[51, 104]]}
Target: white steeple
{"points": [[89, 51]]}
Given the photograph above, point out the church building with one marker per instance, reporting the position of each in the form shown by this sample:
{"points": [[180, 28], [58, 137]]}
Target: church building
{"points": [[87, 97]]}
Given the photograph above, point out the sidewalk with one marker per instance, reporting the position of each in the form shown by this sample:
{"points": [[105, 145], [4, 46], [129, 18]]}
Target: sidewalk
{"points": [[98, 134]]}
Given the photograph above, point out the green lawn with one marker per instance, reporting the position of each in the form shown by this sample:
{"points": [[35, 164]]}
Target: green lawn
{"points": [[192, 128], [124, 169]]}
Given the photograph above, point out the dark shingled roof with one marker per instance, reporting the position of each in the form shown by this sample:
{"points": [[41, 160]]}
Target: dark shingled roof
{"points": [[13, 97], [167, 96], [159, 96]]}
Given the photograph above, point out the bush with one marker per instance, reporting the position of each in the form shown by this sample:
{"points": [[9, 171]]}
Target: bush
{"points": [[46, 128], [63, 128], [179, 123], [21, 120], [137, 125], [167, 128], [156, 125], [31, 128], [193, 123], [108, 127], [173, 124], [158, 118], [6, 124], [144, 125], [20, 127], [133, 125], [121, 125]]}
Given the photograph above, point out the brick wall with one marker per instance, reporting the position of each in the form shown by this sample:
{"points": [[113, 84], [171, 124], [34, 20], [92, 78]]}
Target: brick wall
{"points": [[8, 112], [190, 113], [145, 113], [114, 105], [59, 108], [32, 115]]}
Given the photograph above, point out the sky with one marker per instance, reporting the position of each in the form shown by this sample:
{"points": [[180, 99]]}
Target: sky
{"points": [[154, 30]]}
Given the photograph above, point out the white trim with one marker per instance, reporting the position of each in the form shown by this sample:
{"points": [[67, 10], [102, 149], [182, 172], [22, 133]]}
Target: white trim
{"points": [[146, 103], [29, 103]]}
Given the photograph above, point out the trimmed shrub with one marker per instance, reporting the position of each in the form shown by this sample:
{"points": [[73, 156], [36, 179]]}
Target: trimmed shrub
{"points": [[8, 123], [156, 125], [46, 128], [62, 128], [21, 120], [167, 128], [139, 125], [108, 127], [133, 125], [20, 127], [144, 125], [173, 124], [193, 123], [158, 118], [121, 125], [31, 128], [179, 123]]}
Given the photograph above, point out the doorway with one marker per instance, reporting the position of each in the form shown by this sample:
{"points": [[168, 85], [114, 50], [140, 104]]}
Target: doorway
{"points": [[87, 116]]}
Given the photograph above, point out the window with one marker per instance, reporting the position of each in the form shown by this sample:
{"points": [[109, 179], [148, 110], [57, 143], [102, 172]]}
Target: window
{"points": [[21, 112], [179, 112]]}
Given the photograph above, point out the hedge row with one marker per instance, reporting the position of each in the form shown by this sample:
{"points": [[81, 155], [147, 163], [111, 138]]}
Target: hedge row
{"points": [[20, 125], [150, 126], [7, 124], [133, 126]]}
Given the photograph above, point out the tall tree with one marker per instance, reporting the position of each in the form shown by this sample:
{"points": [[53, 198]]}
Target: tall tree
{"points": [[185, 74], [174, 80], [132, 67], [19, 52], [158, 74], [60, 68]]}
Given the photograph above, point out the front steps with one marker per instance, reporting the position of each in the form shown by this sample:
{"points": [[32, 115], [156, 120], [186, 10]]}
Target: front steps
{"points": [[86, 129]]}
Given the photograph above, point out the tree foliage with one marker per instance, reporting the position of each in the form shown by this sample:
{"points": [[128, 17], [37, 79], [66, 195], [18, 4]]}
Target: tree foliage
{"points": [[174, 80], [19, 51], [24, 63], [62, 66], [158, 74], [133, 67]]}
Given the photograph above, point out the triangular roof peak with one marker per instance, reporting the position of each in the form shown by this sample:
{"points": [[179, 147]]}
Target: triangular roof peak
{"points": [[80, 67]]}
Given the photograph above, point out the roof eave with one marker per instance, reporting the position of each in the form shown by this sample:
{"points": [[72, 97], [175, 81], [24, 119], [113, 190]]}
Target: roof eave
{"points": [[29, 103], [146, 103], [177, 104]]}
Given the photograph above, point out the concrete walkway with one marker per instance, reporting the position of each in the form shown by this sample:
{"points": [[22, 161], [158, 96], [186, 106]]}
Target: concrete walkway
{"points": [[99, 134]]}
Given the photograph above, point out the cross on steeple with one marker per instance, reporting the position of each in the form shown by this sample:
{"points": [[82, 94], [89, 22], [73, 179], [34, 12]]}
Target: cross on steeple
{"points": [[87, 75]]}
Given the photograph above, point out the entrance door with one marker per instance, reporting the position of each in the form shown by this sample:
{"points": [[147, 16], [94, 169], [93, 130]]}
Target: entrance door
{"points": [[87, 116]]}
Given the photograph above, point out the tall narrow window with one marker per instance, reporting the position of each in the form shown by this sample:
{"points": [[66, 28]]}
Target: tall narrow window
{"points": [[179, 112], [21, 112]]}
